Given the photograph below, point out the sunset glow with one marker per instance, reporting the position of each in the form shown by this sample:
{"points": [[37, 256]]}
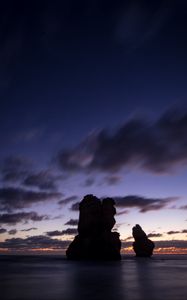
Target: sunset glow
{"points": [[93, 101]]}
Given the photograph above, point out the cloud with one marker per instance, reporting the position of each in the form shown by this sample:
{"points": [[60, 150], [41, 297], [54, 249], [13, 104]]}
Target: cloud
{"points": [[15, 168], [183, 207], [14, 218], [72, 222], [75, 206], [89, 182], [68, 231], [54, 233], [177, 231], [122, 212], [142, 203], [133, 201], [20, 169], [128, 238], [18, 198], [44, 180], [45, 242], [3, 230], [33, 243], [158, 147], [12, 231], [112, 180], [171, 243], [29, 229], [173, 232], [68, 200], [151, 235]]}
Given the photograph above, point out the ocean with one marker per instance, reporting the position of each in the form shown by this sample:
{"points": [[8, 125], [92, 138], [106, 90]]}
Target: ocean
{"points": [[53, 277]]}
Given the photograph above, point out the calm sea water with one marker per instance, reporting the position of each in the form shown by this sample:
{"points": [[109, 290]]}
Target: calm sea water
{"points": [[55, 278]]}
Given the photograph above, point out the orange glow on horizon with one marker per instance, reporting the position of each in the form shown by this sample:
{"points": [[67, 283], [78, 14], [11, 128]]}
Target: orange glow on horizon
{"points": [[169, 250], [126, 250]]}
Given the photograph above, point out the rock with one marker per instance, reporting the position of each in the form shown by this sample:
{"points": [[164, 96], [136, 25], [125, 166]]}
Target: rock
{"points": [[143, 247], [95, 240], [90, 216], [108, 213]]}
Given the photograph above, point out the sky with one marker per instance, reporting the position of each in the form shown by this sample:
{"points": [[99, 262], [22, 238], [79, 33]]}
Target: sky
{"points": [[93, 101]]}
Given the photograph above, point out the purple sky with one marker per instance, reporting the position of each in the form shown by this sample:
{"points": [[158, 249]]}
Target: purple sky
{"points": [[93, 101]]}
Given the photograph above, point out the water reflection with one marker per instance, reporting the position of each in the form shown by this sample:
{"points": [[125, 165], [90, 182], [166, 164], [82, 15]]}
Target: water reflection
{"points": [[59, 279]]}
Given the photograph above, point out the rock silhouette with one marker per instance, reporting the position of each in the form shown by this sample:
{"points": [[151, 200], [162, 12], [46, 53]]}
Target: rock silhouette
{"points": [[143, 247], [95, 240]]}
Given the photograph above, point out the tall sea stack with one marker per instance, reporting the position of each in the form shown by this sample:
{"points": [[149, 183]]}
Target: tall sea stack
{"points": [[95, 240]]}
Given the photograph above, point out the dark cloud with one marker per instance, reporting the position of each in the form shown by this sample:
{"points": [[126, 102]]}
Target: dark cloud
{"points": [[75, 206], [89, 182], [171, 243], [18, 198], [15, 168], [112, 180], [122, 212], [157, 146], [152, 235], [68, 231], [128, 238], [177, 231], [173, 232], [29, 229], [133, 201], [57, 217], [43, 180], [68, 200], [3, 230], [183, 207], [21, 217], [72, 222], [12, 231], [54, 233], [33, 242], [142, 203]]}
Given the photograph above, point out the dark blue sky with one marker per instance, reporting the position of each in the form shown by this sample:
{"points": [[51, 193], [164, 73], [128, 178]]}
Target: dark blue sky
{"points": [[98, 87]]}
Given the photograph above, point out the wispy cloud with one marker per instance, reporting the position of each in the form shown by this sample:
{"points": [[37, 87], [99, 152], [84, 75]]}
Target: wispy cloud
{"points": [[29, 229], [171, 232], [15, 168], [21, 217], [12, 231], [153, 235], [33, 242], [157, 147], [44, 180], [68, 200], [18, 198], [132, 201], [142, 203], [3, 230], [68, 231], [72, 222]]}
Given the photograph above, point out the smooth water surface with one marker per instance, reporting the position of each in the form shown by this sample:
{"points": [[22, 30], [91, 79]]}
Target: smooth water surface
{"points": [[55, 278]]}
